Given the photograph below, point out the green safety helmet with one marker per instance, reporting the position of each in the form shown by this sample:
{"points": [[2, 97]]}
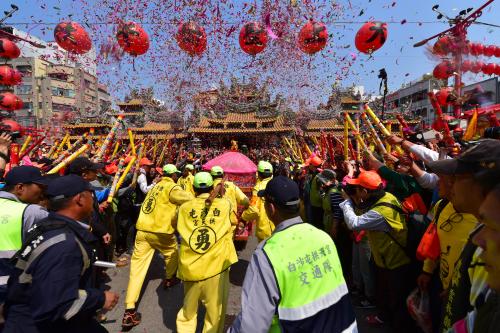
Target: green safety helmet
{"points": [[189, 167], [264, 167], [216, 171], [170, 169], [203, 180]]}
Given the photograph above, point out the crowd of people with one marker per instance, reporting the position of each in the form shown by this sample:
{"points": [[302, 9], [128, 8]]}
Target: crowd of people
{"points": [[420, 225]]}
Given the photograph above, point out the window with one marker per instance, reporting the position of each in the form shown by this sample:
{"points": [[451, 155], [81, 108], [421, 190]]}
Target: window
{"points": [[24, 89], [61, 92], [25, 70]]}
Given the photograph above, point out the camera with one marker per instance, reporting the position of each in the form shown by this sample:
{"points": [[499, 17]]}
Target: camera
{"points": [[492, 133], [13, 134]]}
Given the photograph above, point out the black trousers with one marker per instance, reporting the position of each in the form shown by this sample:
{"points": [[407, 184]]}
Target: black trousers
{"points": [[393, 287]]}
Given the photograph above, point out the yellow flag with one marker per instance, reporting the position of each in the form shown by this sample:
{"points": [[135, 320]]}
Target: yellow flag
{"points": [[471, 128]]}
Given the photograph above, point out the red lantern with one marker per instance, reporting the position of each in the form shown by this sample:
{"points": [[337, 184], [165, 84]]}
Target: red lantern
{"points": [[9, 76], [445, 96], [489, 50], [9, 49], [442, 46], [497, 70], [253, 38], [497, 51], [313, 37], [444, 70], [72, 37], [14, 126], [10, 102], [371, 37], [489, 69], [476, 67], [132, 38], [479, 49], [192, 38], [466, 65]]}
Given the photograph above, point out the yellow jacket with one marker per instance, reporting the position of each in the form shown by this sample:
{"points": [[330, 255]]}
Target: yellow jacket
{"points": [[235, 195], [158, 211], [207, 247], [453, 230], [256, 211], [187, 183]]}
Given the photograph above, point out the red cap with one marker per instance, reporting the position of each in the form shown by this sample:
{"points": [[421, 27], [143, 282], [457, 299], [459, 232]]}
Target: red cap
{"points": [[367, 179], [111, 168], [145, 161], [314, 161]]}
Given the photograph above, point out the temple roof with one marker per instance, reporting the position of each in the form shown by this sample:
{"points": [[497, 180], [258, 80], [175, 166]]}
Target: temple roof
{"points": [[132, 102], [242, 123], [153, 126], [86, 125]]}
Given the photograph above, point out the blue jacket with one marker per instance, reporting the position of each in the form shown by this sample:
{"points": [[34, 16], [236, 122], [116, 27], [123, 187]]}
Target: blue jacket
{"points": [[59, 297]]}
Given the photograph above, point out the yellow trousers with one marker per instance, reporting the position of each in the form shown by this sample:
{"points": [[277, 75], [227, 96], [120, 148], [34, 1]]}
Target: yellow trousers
{"points": [[144, 248], [213, 294]]}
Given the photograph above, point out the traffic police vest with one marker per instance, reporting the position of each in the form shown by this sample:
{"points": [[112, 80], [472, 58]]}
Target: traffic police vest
{"points": [[307, 270], [157, 212], [386, 252], [207, 247], [11, 227]]}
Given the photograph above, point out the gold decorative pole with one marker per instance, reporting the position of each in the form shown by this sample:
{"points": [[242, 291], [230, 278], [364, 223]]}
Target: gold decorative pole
{"points": [[125, 173], [137, 166], [25, 145], [52, 149], [381, 126], [114, 187], [109, 137], [117, 145], [360, 140], [131, 139], [68, 159], [346, 138], [379, 142]]}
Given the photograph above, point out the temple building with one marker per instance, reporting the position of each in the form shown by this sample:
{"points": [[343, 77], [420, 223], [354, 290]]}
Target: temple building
{"points": [[241, 112], [329, 118]]}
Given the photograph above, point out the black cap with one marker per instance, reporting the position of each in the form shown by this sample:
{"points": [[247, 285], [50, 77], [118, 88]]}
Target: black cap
{"points": [[326, 176], [68, 186], [24, 175], [484, 156], [81, 164], [281, 191]]}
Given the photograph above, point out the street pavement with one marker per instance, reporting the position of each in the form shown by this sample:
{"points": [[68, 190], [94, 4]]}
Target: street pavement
{"points": [[159, 307]]}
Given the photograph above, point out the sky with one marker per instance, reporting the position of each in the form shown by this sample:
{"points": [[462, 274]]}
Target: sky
{"points": [[176, 76]]}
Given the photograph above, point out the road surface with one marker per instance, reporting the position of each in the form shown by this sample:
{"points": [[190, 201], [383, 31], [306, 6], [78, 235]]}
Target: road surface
{"points": [[159, 307]]}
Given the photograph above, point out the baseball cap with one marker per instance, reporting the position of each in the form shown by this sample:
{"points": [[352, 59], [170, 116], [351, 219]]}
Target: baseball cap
{"points": [[189, 167], [326, 176], [111, 168], [264, 167], [367, 179], [24, 175], [67, 186], [81, 164], [314, 161], [203, 180], [145, 161], [216, 171], [281, 191], [483, 156], [170, 169]]}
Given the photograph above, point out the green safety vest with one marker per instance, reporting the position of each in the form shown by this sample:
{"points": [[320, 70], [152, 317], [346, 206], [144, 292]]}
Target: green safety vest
{"points": [[11, 226], [386, 252], [308, 272]]}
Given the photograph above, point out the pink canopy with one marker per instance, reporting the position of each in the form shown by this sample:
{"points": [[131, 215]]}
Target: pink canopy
{"points": [[232, 162]]}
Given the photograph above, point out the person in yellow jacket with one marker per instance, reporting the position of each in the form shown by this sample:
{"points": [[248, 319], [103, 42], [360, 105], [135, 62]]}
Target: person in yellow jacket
{"points": [[186, 180], [155, 231], [256, 211], [231, 191], [205, 255]]}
